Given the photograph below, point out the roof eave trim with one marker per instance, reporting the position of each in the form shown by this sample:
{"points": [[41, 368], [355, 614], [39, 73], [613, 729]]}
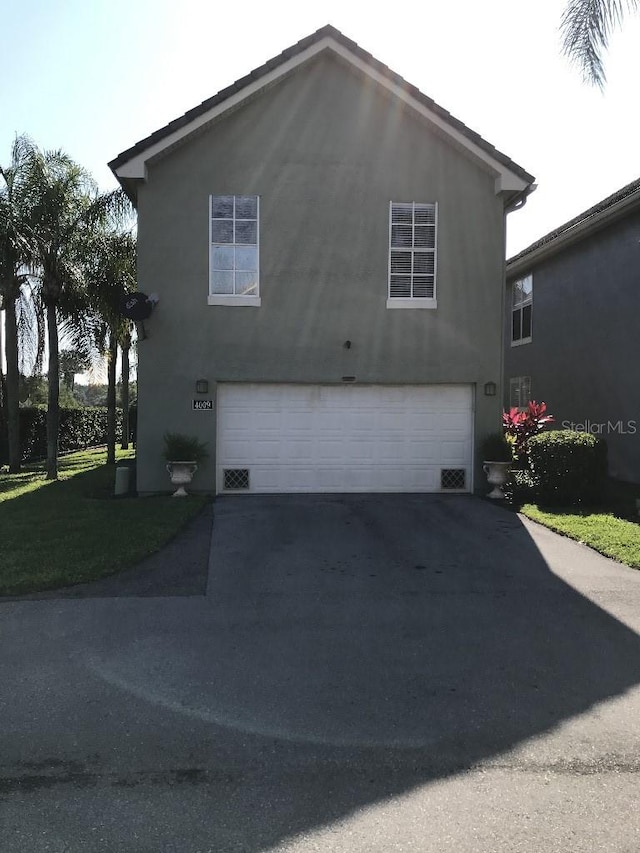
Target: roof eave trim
{"points": [[573, 235], [135, 166]]}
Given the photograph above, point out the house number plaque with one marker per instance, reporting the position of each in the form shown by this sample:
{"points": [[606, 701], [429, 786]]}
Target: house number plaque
{"points": [[203, 405]]}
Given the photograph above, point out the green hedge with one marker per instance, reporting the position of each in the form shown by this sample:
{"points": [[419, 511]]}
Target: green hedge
{"points": [[79, 428], [568, 467]]}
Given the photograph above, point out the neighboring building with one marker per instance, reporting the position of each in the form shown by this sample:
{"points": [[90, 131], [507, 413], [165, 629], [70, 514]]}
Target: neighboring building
{"points": [[573, 323], [327, 245]]}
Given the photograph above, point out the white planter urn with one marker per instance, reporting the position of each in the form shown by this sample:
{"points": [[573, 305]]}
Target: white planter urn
{"points": [[497, 475], [181, 474]]}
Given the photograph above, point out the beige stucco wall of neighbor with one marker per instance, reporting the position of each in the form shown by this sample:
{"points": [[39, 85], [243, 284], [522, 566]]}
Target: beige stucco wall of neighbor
{"points": [[326, 150]]}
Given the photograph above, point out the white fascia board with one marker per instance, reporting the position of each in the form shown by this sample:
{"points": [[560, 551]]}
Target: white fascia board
{"points": [[506, 180], [136, 167]]}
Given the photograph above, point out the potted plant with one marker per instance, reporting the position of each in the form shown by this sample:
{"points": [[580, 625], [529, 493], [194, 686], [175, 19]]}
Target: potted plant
{"points": [[497, 456], [183, 454]]}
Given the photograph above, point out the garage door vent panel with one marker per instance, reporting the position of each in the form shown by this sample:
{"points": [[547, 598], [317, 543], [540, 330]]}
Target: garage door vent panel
{"points": [[453, 479], [236, 479]]}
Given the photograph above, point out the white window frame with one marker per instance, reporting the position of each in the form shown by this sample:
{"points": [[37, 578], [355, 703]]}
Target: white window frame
{"points": [[429, 302], [518, 385], [517, 306], [253, 300]]}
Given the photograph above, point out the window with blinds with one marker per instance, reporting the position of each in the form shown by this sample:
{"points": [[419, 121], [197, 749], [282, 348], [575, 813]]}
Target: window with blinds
{"points": [[413, 252], [519, 392]]}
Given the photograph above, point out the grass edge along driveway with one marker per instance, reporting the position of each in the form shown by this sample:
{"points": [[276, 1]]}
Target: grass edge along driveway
{"points": [[58, 533], [603, 531]]}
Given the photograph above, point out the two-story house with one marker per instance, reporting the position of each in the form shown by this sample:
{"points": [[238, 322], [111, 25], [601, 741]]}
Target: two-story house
{"points": [[571, 326], [327, 245]]}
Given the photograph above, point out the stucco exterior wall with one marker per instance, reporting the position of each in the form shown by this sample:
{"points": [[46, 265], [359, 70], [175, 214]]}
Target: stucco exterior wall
{"points": [[584, 358], [326, 151]]}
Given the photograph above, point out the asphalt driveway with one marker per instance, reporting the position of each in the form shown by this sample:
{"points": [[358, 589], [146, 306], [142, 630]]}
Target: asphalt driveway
{"points": [[365, 673]]}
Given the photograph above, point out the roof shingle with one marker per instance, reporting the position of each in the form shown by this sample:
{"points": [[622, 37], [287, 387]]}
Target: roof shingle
{"points": [[592, 213]]}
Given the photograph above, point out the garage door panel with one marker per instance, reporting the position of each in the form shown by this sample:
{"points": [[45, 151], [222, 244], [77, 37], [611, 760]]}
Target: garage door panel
{"points": [[298, 421], [361, 422], [390, 451], [297, 479], [427, 451], [295, 438], [330, 449], [269, 450], [301, 450], [361, 449], [454, 422], [422, 422], [454, 452]]}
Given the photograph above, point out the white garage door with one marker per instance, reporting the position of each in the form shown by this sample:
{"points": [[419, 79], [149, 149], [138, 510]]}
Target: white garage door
{"points": [[325, 438]]}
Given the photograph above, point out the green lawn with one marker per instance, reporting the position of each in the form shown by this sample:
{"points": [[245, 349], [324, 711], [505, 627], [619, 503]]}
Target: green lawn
{"points": [[603, 531], [58, 533]]}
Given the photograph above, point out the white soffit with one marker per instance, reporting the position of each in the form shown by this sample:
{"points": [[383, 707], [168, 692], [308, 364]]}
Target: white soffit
{"points": [[506, 180]]}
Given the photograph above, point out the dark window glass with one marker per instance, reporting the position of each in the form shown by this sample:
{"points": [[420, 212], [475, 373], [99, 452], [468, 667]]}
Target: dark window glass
{"points": [[401, 263], [247, 232], [400, 286], [401, 236], [424, 237], [516, 329], [246, 207], [423, 262], [222, 207], [222, 231], [423, 287]]}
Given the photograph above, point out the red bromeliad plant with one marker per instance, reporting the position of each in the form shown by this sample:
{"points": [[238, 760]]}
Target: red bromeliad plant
{"points": [[520, 425]]}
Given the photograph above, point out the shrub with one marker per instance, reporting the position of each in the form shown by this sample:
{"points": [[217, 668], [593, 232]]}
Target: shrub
{"points": [[79, 428], [520, 488], [183, 448], [568, 467], [495, 448]]}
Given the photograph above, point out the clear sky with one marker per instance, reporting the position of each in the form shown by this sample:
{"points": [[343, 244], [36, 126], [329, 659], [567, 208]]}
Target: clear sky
{"points": [[94, 76]]}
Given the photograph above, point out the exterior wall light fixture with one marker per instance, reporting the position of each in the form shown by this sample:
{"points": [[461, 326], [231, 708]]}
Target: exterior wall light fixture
{"points": [[490, 389], [202, 386]]}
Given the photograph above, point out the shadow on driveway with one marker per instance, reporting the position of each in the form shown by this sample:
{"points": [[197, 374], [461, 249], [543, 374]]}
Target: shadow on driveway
{"points": [[426, 632], [352, 649]]}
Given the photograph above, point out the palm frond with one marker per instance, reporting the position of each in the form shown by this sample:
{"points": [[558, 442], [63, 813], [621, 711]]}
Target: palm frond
{"points": [[586, 28], [31, 342]]}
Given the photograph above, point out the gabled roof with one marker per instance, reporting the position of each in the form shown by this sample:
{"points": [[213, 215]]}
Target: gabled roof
{"points": [[618, 204], [130, 166]]}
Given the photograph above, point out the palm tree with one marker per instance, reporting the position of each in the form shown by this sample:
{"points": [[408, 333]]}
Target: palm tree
{"points": [[586, 28], [73, 361], [16, 257], [66, 209], [111, 273]]}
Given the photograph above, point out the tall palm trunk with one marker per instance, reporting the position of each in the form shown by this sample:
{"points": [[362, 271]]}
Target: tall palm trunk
{"points": [[12, 381], [53, 399], [111, 397], [125, 393]]}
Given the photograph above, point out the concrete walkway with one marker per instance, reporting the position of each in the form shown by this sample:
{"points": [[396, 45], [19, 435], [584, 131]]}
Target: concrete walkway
{"points": [[366, 673]]}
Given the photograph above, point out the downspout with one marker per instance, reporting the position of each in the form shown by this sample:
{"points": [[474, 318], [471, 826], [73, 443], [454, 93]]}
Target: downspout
{"points": [[521, 199], [516, 204]]}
